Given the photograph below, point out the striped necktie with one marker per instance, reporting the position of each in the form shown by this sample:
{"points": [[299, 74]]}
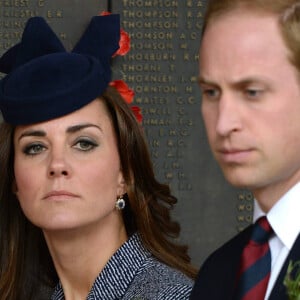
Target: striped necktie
{"points": [[255, 264]]}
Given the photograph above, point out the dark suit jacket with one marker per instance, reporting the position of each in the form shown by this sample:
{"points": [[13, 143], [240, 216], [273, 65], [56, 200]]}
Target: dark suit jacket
{"points": [[216, 278]]}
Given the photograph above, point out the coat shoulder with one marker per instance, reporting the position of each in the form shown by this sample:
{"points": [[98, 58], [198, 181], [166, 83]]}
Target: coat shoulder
{"points": [[216, 277], [156, 280]]}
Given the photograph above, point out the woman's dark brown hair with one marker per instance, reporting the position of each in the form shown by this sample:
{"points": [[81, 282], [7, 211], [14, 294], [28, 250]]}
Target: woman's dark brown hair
{"points": [[25, 262]]}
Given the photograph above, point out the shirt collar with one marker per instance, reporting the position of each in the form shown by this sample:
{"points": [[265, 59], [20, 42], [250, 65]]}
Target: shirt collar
{"points": [[284, 216], [118, 272]]}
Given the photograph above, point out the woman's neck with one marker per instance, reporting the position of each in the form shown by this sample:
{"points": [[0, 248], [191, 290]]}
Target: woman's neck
{"points": [[79, 255]]}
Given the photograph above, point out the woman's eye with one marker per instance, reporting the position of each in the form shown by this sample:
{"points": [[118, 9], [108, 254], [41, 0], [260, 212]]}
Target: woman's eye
{"points": [[34, 149], [85, 145]]}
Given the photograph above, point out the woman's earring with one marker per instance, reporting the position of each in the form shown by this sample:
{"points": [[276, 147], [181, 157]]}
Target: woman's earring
{"points": [[120, 203]]}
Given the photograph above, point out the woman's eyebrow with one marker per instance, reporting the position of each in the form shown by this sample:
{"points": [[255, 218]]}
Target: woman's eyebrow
{"points": [[75, 128], [32, 132], [71, 129]]}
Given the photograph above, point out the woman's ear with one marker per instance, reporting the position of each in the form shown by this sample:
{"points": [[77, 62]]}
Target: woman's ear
{"points": [[122, 188], [14, 187]]}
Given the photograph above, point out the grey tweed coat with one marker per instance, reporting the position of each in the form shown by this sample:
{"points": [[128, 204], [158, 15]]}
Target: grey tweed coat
{"points": [[134, 274]]}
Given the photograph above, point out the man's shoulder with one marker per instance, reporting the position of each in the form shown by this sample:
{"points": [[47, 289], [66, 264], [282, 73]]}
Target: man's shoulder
{"points": [[217, 275], [233, 246]]}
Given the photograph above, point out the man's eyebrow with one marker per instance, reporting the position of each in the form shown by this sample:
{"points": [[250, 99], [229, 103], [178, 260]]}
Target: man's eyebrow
{"points": [[202, 80], [242, 82], [247, 81]]}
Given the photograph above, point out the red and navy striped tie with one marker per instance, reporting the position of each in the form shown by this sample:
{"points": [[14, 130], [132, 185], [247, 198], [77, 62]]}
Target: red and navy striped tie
{"points": [[255, 264]]}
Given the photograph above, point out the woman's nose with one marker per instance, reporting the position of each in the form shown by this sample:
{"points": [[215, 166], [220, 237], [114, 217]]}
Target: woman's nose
{"points": [[58, 172], [58, 165]]}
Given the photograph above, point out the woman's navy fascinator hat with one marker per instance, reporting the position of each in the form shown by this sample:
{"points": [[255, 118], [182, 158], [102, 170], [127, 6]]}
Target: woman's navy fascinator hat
{"points": [[44, 81]]}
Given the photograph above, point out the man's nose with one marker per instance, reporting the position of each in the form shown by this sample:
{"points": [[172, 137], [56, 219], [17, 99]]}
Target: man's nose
{"points": [[229, 117]]}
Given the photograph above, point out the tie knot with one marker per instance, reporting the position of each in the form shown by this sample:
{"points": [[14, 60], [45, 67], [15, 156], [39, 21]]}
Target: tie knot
{"points": [[261, 231]]}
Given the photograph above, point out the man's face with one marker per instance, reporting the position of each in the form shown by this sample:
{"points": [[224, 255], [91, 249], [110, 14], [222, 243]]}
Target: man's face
{"points": [[251, 102]]}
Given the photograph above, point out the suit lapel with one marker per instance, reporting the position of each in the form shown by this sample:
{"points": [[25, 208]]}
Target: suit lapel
{"points": [[279, 290], [232, 254]]}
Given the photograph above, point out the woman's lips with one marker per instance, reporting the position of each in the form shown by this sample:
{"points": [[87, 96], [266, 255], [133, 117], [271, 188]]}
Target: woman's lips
{"points": [[59, 195]]}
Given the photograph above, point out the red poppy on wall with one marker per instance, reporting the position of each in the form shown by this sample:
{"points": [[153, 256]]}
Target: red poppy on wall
{"points": [[124, 42], [124, 90]]}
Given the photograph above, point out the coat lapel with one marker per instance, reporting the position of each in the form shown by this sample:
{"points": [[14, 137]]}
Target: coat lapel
{"points": [[279, 290]]}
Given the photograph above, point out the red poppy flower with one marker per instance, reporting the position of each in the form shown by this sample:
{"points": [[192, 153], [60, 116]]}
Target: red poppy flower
{"points": [[124, 42], [104, 13], [127, 94], [123, 89], [138, 113]]}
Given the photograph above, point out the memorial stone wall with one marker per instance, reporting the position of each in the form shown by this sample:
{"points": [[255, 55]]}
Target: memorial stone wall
{"points": [[162, 68]]}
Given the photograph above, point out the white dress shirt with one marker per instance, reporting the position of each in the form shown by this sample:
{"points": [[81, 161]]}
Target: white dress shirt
{"points": [[285, 221]]}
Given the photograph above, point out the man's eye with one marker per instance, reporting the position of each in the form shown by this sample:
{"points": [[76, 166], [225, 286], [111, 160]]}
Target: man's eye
{"points": [[253, 93], [34, 149], [210, 93], [85, 145]]}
